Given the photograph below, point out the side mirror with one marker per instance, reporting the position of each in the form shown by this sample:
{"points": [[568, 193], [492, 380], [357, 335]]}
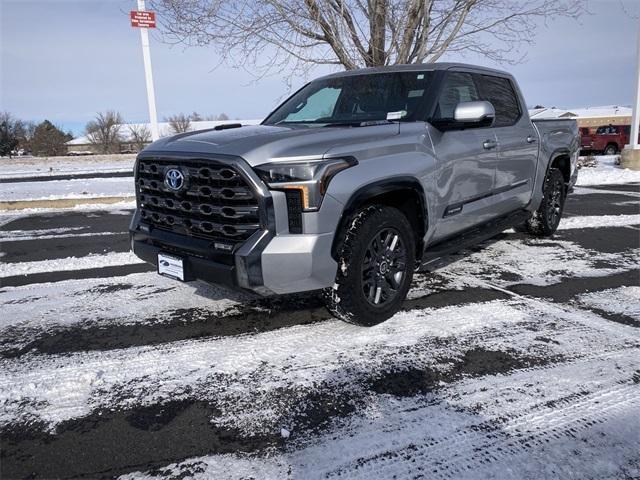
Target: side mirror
{"points": [[474, 114]]}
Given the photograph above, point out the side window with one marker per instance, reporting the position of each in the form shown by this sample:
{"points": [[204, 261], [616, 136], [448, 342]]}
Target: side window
{"points": [[500, 93], [457, 87]]}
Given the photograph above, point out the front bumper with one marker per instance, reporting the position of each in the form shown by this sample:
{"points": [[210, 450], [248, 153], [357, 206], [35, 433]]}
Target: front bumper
{"points": [[265, 264]]}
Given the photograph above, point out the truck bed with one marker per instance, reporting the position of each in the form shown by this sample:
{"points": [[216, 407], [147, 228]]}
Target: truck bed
{"points": [[557, 134]]}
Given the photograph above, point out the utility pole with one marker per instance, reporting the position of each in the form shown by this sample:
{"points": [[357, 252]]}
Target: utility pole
{"points": [[145, 20], [635, 118]]}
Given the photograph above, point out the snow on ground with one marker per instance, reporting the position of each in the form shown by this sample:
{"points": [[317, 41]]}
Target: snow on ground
{"points": [[474, 379], [536, 262], [623, 300], [118, 208], [56, 189], [19, 167], [68, 264], [59, 388], [599, 221], [606, 172], [136, 298]]}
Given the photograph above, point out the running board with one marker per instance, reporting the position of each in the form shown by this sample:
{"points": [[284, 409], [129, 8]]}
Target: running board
{"points": [[435, 256]]}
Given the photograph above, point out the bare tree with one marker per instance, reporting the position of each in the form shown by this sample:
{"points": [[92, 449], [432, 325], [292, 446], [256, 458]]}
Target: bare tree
{"points": [[179, 123], [104, 131], [223, 116], [267, 35], [140, 135]]}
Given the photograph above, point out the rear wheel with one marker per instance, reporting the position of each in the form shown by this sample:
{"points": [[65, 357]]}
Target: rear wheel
{"points": [[376, 262], [611, 149], [545, 220]]}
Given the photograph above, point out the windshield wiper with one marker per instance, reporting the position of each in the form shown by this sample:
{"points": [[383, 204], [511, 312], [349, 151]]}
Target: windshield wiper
{"points": [[292, 122]]}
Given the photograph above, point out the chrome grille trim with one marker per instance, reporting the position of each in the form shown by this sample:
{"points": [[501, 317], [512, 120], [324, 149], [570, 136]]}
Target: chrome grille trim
{"points": [[219, 201]]}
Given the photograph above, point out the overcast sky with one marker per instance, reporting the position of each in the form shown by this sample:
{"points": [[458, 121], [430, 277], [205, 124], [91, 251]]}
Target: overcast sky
{"points": [[64, 60]]}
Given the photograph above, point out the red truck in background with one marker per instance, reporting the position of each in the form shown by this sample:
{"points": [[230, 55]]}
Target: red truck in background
{"points": [[608, 140]]}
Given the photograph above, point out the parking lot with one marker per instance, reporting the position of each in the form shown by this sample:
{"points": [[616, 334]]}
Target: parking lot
{"points": [[518, 360]]}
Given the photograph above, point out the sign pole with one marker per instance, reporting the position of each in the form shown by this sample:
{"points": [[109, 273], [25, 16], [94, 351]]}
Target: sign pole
{"points": [[630, 157], [151, 96], [635, 119]]}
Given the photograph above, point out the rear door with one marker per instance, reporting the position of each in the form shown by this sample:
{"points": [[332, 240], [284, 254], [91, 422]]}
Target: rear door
{"points": [[466, 161], [517, 143]]}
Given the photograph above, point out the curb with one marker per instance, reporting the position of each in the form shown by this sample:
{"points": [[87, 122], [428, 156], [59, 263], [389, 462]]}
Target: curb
{"points": [[62, 202]]}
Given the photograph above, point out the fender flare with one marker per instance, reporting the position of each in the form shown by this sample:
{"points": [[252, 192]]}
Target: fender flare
{"points": [[558, 152], [375, 189]]}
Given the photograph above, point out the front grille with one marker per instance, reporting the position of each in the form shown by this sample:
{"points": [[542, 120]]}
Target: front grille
{"points": [[216, 202]]}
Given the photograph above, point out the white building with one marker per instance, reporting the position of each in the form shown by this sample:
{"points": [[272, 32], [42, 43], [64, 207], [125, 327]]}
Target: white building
{"points": [[591, 117], [82, 145]]}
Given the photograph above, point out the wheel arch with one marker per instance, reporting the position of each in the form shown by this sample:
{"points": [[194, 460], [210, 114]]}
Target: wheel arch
{"points": [[402, 192], [611, 144], [561, 159]]}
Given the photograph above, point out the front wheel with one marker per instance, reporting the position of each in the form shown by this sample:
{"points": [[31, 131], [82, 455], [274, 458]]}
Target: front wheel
{"points": [[376, 259], [611, 150], [545, 220]]}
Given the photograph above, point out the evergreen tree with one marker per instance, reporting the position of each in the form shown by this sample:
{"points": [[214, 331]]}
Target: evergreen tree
{"points": [[9, 129], [48, 140]]}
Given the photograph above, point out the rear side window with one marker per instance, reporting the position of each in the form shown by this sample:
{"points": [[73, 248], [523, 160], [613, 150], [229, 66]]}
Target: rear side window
{"points": [[500, 93], [457, 87]]}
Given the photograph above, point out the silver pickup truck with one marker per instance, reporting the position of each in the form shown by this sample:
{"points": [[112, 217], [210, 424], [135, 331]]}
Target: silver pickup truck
{"points": [[351, 184]]}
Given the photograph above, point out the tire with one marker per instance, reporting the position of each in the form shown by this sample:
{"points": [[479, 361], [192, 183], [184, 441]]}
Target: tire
{"points": [[611, 149], [545, 220], [376, 260]]}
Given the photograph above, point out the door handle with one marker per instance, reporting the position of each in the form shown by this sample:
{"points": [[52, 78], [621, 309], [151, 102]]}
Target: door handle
{"points": [[489, 144], [531, 139]]}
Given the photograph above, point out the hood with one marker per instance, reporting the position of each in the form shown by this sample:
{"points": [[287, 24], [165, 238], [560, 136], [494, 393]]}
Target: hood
{"points": [[259, 144]]}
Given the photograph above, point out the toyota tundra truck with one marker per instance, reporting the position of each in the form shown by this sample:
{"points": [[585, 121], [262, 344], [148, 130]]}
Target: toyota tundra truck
{"points": [[352, 184]]}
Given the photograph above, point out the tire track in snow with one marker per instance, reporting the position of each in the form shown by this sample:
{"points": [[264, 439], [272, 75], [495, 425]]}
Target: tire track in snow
{"points": [[493, 439], [433, 436], [73, 385]]}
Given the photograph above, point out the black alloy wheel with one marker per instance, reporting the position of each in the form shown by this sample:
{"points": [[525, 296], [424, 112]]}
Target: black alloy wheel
{"points": [[545, 220], [554, 202], [376, 258], [383, 267]]}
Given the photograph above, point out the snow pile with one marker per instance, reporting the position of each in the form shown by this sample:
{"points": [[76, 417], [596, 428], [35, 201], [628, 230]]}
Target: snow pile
{"points": [[606, 172]]}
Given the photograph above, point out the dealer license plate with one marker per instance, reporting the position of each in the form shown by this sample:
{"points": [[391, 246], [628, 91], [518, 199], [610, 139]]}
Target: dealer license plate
{"points": [[171, 266]]}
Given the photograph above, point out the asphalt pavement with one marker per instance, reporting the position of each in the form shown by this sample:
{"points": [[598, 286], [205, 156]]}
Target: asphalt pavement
{"points": [[518, 360]]}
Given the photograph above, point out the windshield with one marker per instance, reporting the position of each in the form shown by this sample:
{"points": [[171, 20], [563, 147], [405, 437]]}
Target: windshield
{"points": [[355, 99]]}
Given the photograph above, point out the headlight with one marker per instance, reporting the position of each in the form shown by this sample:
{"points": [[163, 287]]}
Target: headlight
{"points": [[311, 178]]}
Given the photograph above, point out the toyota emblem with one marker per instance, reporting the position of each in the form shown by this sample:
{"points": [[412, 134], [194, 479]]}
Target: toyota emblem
{"points": [[174, 179]]}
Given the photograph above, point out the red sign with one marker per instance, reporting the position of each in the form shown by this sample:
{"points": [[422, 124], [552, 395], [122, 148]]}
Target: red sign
{"points": [[143, 19]]}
